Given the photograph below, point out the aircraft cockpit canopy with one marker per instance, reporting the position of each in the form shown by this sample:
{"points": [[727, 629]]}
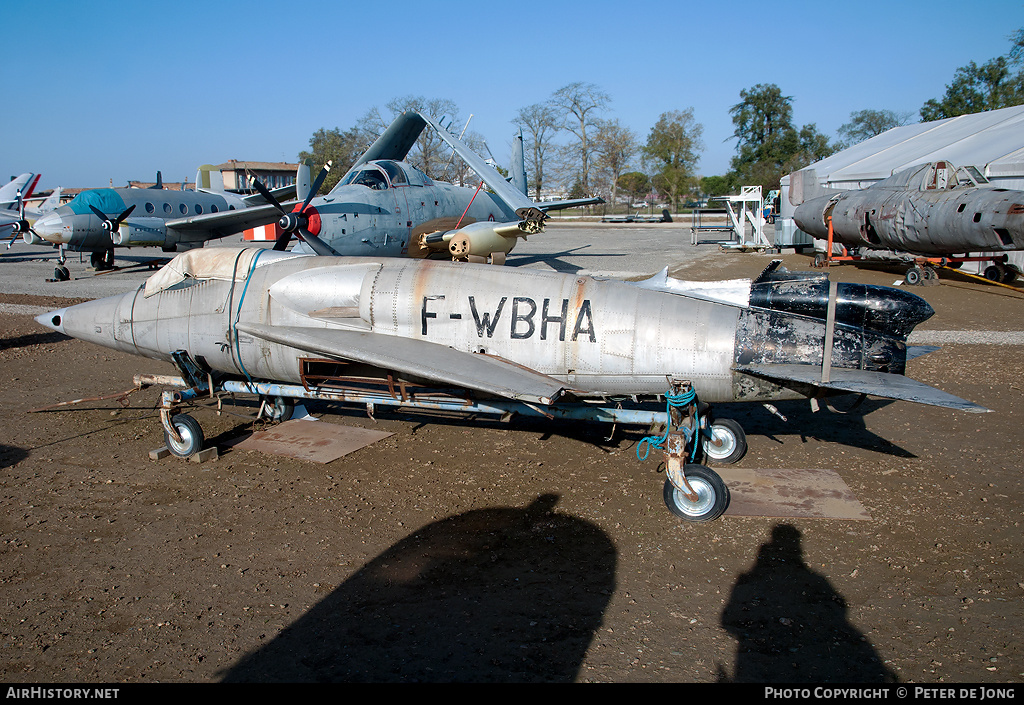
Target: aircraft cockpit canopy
{"points": [[944, 176], [383, 174]]}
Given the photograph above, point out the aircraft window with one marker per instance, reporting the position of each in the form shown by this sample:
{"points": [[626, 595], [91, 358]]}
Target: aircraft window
{"points": [[167, 208], [214, 208], [395, 173], [199, 209], [150, 208], [973, 174], [183, 208], [370, 178]]}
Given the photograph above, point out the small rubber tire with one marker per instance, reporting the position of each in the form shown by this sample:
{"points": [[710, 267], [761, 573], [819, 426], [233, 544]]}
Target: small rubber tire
{"points": [[277, 408], [733, 438], [914, 276], [712, 495], [191, 436]]}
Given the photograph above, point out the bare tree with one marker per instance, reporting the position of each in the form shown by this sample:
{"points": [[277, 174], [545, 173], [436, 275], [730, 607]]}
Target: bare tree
{"points": [[580, 105], [540, 124], [615, 147], [430, 154]]}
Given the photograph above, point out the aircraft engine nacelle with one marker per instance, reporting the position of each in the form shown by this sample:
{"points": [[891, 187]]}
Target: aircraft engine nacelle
{"points": [[140, 232], [478, 240], [31, 238]]}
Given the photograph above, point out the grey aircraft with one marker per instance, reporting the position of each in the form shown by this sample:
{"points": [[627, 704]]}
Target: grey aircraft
{"points": [[469, 337], [98, 220], [385, 207], [930, 210]]}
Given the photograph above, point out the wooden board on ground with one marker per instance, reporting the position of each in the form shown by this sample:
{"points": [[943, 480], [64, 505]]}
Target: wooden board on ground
{"points": [[318, 441], [790, 493]]}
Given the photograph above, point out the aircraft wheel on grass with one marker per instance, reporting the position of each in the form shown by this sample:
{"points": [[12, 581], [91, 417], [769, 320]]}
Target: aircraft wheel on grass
{"points": [[731, 442], [191, 436], [712, 495], [277, 408]]}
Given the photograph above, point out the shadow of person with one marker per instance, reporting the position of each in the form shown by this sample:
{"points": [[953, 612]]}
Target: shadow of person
{"points": [[492, 595], [791, 624]]}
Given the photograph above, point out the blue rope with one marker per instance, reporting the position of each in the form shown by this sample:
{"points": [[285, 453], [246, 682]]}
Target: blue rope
{"points": [[238, 312], [671, 401]]}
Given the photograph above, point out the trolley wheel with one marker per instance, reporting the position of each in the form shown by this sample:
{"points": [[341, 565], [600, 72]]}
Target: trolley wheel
{"points": [[191, 436], [1010, 275], [61, 273], [731, 442], [995, 272], [277, 408], [819, 259], [712, 495], [914, 275]]}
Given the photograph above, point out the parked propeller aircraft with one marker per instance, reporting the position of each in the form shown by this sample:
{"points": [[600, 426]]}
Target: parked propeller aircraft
{"points": [[98, 220], [932, 210], [25, 216], [385, 207], [474, 338]]}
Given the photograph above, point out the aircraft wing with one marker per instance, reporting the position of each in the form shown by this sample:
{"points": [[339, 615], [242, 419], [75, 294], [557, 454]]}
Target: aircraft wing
{"points": [[569, 203], [513, 198], [211, 226], [879, 384], [420, 358]]}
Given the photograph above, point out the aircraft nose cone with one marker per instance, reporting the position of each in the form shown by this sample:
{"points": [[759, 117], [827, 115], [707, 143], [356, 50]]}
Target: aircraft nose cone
{"points": [[50, 227], [54, 320]]}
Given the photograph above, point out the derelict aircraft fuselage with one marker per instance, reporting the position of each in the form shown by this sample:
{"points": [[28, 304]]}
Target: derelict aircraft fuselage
{"points": [[932, 209]]}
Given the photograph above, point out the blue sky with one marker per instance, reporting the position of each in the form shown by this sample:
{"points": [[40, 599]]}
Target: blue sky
{"points": [[101, 91]]}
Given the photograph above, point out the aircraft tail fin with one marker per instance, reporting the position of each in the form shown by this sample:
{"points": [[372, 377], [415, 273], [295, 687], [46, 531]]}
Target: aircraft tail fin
{"points": [[208, 178], [52, 201], [303, 180], [517, 168], [804, 185]]}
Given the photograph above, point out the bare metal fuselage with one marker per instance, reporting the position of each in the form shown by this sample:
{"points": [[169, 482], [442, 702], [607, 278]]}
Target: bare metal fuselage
{"points": [[598, 338], [915, 212]]}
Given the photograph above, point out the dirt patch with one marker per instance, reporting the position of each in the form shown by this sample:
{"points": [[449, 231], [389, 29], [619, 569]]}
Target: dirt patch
{"points": [[465, 549]]}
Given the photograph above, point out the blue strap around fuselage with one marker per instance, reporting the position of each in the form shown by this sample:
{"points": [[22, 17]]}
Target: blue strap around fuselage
{"points": [[105, 199]]}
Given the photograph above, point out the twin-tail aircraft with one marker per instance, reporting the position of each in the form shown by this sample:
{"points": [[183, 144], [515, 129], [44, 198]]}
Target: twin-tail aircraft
{"points": [[98, 220], [386, 207], [468, 337]]}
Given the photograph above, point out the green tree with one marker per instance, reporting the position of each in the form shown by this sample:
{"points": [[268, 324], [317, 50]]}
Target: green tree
{"points": [[673, 149], [636, 184], [865, 124], [341, 148], [975, 89], [718, 185], [769, 145]]}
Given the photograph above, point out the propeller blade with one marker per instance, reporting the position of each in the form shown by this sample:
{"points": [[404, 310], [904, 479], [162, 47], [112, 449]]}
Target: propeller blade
{"points": [[318, 246], [315, 188], [282, 241], [266, 194], [120, 219], [98, 212]]}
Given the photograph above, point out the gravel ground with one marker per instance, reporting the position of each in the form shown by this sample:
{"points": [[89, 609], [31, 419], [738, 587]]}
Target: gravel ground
{"points": [[463, 549]]}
